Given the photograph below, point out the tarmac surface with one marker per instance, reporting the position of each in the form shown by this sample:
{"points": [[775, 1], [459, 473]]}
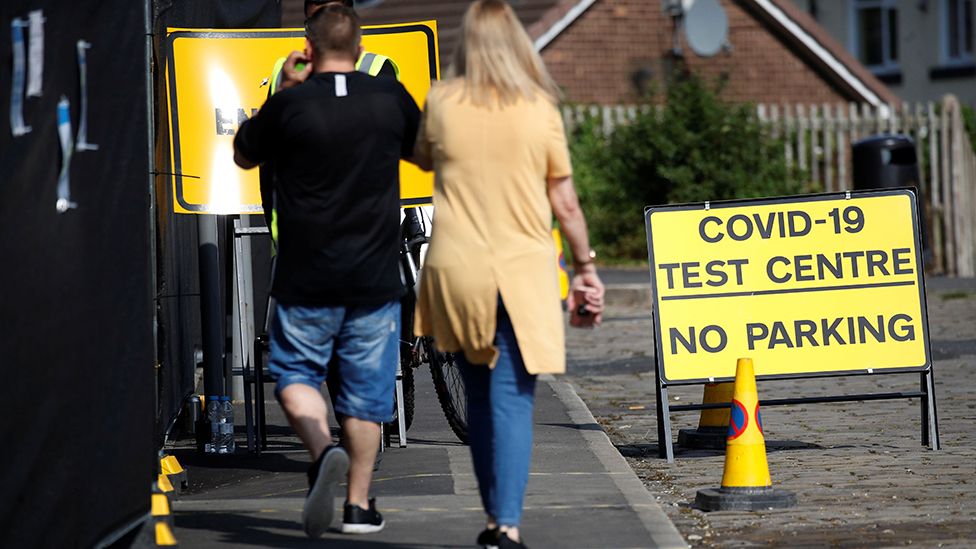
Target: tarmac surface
{"points": [[581, 491], [858, 469]]}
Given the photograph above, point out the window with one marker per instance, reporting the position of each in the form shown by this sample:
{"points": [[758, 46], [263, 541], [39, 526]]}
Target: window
{"points": [[874, 34], [957, 32]]}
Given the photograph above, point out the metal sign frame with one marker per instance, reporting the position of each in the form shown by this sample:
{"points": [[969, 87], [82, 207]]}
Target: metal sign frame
{"points": [[926, 392]]}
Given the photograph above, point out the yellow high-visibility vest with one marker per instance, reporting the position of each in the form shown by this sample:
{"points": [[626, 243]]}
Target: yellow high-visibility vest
{"points": [[369, 63]]}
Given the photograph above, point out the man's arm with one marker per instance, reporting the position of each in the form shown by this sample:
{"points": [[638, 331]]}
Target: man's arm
{"points": [[420, 159], [412, 117], [255, 139], [241, 160]]}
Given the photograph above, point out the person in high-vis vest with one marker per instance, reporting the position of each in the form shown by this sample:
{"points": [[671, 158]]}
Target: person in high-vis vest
{"points": [[337, 285], [293, 70]]}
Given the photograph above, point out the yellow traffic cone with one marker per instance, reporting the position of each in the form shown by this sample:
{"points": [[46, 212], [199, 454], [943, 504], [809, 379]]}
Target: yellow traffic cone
{"points": [[713, 424], [746, 484]]}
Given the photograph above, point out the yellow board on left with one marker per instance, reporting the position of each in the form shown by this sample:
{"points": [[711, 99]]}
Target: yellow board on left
{"points": [[216, 79]]}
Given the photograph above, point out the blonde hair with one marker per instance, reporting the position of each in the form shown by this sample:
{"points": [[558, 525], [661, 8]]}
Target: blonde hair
{"points": [[496, 60]]}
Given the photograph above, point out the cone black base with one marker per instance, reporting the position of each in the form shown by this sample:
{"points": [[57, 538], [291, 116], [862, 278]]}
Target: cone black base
{"points": [[743, 499], [703, 438]]}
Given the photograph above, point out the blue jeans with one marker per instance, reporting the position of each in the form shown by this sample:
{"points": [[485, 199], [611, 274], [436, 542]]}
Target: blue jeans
{"points": [[366, 341], [500, 404]]}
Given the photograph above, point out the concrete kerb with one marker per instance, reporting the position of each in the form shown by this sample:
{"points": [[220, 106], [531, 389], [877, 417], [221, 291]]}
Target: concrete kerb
{"points": [[628, 295], [662, 531]]}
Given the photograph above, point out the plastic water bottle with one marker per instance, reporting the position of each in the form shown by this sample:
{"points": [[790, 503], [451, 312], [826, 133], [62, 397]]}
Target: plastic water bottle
{"points": [[214, 413], [227, 445]]}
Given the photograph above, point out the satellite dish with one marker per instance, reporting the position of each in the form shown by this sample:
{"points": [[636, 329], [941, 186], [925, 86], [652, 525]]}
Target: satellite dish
{"points": [[706, 27]]}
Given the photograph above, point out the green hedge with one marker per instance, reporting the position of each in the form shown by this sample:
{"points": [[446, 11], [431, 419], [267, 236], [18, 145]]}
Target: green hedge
{"points": [[695, 147], [969, 118]]}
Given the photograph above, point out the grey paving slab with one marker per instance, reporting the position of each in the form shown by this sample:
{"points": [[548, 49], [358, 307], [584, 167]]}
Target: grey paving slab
{"points": [[581, 492]]}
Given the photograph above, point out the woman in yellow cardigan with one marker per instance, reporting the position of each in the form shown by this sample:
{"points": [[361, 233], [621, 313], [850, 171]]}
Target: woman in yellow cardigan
{"points": [[493, 134]]}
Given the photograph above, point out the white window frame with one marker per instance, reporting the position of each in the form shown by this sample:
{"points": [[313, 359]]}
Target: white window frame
{"points": [[964, 58], [887, 66]]}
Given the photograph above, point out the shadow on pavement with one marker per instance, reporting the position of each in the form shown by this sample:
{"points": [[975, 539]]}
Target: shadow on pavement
{"points": [[247, 530], [269, 462], [429, 442], [576, 427], [650, 450]]}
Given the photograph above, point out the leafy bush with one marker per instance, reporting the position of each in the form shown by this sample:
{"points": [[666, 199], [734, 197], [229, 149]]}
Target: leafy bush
{"points": [[696, 147], [969, 118]]}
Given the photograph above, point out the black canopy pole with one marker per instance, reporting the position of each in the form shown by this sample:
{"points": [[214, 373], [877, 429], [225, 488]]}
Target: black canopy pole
{"points": [[211, 306], [149, 22]]}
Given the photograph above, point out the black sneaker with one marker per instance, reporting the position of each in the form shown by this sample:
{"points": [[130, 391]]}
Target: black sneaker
{"points": [[488, 538], [324, 477], [356, 520], [505, 542]]}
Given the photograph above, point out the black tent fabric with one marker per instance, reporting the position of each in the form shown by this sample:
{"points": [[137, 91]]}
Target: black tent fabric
{"points": [[77, 354], [76, 344]]}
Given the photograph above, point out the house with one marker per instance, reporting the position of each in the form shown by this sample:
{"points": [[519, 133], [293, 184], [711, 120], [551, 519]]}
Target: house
{"points": [[923, 49], [612, 51]]}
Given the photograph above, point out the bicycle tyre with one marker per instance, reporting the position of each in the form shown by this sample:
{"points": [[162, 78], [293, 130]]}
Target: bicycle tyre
{"points": [[408, 399], [450, 390]]}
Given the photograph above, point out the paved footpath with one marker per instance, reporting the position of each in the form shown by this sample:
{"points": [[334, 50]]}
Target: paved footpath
{"points": [[581, 492], [859, 472]]}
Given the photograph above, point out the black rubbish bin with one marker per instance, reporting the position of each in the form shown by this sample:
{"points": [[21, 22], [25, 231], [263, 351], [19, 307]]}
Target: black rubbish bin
{"points": [[889, 161], [885, 161]]}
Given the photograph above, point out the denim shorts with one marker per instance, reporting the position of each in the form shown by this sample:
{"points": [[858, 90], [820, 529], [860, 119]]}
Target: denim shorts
{"points": [[365, 340]]}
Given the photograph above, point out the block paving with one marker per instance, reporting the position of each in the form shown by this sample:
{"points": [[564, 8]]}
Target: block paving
{"points": [[858, 469]]}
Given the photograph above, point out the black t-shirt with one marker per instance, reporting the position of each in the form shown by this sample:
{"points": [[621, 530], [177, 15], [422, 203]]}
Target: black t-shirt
{"points": [[335, 143]]}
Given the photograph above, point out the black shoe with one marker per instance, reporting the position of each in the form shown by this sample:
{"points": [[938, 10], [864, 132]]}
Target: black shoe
{"points": [[356, 520], [324, 477], [505, 542], [488, 538]]}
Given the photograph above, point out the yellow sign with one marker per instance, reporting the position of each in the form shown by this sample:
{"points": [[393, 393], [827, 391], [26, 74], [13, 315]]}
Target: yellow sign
{"points": [[802, 285], [216, 79], [557, 238]]}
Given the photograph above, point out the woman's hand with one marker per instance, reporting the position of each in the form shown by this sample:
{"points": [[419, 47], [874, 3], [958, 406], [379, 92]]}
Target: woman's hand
{"points": [[586, 291]]}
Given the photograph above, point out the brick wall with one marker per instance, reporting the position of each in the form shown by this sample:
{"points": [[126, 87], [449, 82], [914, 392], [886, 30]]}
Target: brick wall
{"points": [[596, 58]]}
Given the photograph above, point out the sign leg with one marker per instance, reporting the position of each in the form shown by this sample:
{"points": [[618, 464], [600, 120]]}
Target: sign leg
{"points": [[242, 337], [930, 416], [665, 448]]}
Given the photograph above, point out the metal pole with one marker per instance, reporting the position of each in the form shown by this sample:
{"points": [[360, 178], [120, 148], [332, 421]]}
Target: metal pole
{"points": [[665, 448], [930, 414], [151, 190], [211, 310]]}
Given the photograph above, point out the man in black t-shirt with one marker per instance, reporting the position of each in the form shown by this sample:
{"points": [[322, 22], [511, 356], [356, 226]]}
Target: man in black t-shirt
{"points": [[335, 143]]}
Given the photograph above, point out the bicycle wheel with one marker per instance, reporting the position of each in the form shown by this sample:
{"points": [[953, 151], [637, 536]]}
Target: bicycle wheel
{"points": [[450, 390], [408, 397], [392, 427]]}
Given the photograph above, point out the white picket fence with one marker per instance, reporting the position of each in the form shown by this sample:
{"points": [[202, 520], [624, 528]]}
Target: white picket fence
{"points": [[818, 140]]}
